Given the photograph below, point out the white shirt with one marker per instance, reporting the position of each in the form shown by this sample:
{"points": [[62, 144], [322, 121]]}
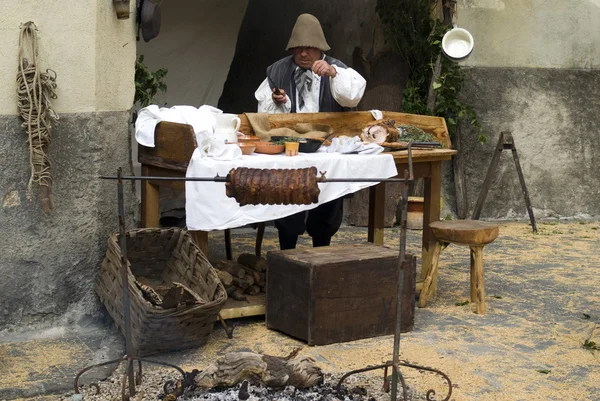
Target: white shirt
{"points": [[347, 88]]}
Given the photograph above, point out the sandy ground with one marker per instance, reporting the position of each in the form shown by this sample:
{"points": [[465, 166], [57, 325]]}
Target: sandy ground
{"points": [[543, 304]]}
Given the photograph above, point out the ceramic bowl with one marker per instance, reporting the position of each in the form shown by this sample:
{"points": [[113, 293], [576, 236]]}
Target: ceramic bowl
{"points": [[457, 44], [269, 148], [247, 147]]}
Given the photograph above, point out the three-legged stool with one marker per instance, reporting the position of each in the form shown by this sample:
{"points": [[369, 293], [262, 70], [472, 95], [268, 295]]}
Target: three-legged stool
{"points": [[475, 234]]}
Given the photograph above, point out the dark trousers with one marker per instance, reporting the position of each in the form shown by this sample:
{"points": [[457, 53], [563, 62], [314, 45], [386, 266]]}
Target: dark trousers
{"points": [[321, 224]]}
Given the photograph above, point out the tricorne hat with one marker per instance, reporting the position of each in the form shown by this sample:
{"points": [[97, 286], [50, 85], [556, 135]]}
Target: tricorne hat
{"points": [[308, 33]]}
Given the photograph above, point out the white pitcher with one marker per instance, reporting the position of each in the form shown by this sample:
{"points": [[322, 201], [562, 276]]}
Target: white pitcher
{"points": [[227, 127]]}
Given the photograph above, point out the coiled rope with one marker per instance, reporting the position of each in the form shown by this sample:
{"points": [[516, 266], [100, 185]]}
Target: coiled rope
{"points": [[34, 91]]}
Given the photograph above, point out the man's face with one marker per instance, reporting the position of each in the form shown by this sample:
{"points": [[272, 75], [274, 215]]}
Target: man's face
{"points": [[305, 56]]}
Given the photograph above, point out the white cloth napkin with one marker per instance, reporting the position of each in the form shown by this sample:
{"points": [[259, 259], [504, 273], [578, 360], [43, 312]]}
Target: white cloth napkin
{"points": [[346, 144], [377, 115], [218, 150], [201, 119]]}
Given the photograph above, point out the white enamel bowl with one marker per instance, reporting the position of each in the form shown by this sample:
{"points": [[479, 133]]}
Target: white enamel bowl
{"points": [[457, 44]]}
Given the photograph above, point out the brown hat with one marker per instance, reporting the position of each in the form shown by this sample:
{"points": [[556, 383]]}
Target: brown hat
{"points": [[308, 33]]}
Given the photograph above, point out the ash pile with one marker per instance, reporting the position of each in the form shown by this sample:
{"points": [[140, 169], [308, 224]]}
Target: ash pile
{"points": [[359, 388]]}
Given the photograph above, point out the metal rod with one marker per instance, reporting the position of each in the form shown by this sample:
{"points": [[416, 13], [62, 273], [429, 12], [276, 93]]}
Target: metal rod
{"points": [[125, 283], [225, 179], [403, 222]]}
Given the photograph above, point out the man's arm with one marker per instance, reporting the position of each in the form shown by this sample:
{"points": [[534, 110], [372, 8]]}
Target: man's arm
{"points": [[347, 86], [266, 102]]}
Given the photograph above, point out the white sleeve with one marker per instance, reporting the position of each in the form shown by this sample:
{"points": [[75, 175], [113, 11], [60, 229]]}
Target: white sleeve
{"points": [[348, 87], [265, 101]]}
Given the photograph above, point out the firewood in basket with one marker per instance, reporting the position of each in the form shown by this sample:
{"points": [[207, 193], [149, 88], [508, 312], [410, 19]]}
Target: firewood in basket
{"points": [[149, 294], [232, 369], [231, 267], [180, 294], [252, 261]]}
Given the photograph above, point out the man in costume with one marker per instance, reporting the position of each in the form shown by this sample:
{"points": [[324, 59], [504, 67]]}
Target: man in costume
{"points": [[308, 81]]}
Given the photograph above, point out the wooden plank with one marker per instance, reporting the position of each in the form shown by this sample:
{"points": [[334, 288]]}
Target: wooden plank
{"points": [[255, 306], [174, 145], [423, 155], [352, 123]]}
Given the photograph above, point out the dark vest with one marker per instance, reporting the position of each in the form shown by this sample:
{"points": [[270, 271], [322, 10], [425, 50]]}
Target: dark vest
{"points": [[281, 75]]}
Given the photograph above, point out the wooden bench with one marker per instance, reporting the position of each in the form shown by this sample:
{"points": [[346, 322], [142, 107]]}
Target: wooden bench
{"points": [[175, 143]]}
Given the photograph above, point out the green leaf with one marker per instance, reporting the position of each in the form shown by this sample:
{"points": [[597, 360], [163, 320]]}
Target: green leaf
{"points": [[437, 85], [591, 345], [497, 296], [544, 371], [586, 316], [462, 303]]}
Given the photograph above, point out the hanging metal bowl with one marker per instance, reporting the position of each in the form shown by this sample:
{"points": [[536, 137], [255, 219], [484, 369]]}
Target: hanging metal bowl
{"points": [[150, 18]]}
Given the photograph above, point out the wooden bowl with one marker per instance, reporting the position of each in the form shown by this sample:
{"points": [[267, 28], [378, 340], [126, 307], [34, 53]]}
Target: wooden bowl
{"points": [[269, 148], [247, 147]]}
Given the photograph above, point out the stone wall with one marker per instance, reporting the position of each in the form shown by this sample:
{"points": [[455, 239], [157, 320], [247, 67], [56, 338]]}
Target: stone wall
{"points": [[49, 262], [552, 114]]}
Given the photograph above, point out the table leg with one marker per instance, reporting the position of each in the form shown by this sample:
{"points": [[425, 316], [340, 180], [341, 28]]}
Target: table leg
{"points": [[376, 213], [150, 211], [201, 239], [431, 213]]}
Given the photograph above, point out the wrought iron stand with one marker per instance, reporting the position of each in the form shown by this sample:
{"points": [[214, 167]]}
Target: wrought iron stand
{"points": [[129, 377], [395, 362]]}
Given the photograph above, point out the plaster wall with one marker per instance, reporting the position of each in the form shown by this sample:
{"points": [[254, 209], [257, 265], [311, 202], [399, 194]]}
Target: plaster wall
{"points": [[532, 33], [91, 51]]}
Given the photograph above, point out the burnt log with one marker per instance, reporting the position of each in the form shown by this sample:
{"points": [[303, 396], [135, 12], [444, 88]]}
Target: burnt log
{"points": [[233, 368]]}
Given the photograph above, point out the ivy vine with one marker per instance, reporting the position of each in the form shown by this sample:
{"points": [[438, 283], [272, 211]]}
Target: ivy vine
{"points": [[147, 83], [414, 34]]}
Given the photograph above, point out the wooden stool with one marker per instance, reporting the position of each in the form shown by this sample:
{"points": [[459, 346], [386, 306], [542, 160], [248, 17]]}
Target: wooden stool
{"points": [[476, 235]]}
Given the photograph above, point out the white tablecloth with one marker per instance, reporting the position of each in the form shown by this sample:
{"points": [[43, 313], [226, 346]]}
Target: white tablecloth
{"points": [[208, 208]]}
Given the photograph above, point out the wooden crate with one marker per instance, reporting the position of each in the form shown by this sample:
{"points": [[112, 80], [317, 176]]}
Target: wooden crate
{"points": [[338, 293]]}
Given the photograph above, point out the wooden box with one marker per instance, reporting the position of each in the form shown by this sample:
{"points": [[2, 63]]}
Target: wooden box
{"points": [[338, 293]]}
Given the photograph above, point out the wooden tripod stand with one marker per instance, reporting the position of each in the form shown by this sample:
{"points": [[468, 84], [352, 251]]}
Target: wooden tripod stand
{"points": [[505, 141]]}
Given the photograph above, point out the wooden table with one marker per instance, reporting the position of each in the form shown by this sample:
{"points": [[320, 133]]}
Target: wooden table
{"points": [[175, 144]]}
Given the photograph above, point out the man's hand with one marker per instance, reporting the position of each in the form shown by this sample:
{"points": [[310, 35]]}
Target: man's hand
{"points": [[279, 96], [324, 69]]}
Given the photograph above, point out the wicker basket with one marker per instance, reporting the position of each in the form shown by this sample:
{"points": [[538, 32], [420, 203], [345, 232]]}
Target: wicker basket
{"points": [[161, 255]]}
